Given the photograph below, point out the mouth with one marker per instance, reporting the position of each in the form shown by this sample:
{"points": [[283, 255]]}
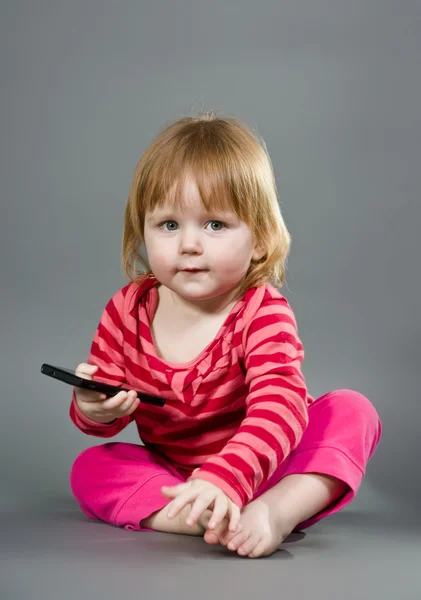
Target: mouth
{"points": [[193, 270]]}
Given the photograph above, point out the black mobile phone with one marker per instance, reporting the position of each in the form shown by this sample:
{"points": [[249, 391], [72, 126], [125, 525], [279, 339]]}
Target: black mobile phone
{"points": [[70, 377]]}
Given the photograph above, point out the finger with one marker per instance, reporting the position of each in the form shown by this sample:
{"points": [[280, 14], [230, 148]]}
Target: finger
{"points": [[199, 506], [130, 406], [235, 516], [171, 491], [84, 366], [88, 396], [248, 546], [127, 404], [134, 406], [116, 401], [112, 402], [181, 501], [91, 396], [85, 370], [220, 509]]}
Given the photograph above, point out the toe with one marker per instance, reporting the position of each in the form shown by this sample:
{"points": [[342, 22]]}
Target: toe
{"points": [[237, 541], [265, 547], [210, 537], [227, 536], [213, 536], [248, 546]]}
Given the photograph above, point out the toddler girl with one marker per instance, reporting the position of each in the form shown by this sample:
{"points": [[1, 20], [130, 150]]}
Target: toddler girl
{"points": [[241, 453]]}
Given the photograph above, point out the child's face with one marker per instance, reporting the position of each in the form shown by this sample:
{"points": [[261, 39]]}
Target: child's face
{"points": [[198, 255]]}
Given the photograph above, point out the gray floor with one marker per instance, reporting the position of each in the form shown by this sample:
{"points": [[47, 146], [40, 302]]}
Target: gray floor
{"points": [[59, 553]]}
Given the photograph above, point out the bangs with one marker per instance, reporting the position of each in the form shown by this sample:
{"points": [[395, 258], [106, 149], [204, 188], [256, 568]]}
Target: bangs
{"points": [[219, 169]]}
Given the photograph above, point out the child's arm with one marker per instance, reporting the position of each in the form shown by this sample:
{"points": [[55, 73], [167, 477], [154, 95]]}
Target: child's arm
{"points": [[107, 354], [276, 414]]}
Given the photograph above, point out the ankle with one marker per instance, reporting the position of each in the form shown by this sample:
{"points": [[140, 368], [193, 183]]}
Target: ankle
{"points": [[159, 521], [299, 497]]}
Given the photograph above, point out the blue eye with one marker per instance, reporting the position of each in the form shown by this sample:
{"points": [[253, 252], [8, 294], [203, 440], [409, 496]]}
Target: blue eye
{"points": [[170, 225], [216, 225]]}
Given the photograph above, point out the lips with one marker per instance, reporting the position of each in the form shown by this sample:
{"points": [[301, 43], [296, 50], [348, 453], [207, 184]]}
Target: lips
{"points": [[192, 270]]}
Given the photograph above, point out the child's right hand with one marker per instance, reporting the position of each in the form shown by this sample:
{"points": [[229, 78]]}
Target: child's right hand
{"points": [[97, 406]]}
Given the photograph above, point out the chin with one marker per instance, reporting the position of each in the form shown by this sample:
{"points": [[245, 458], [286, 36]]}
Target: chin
{"points": [[198, 296], [192, 294]]}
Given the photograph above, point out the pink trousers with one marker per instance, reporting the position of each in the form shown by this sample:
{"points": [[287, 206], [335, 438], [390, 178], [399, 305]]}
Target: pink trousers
{"points": [[119, 482]]}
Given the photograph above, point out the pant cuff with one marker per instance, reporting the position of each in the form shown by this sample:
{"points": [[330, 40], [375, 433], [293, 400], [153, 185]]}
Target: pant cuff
{"points": [[144, 500], [327, 460]]}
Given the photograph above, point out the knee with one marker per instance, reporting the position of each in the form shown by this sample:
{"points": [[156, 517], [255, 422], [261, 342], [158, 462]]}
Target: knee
{"points": [[359, 409], [357, 404], [84, 468]]}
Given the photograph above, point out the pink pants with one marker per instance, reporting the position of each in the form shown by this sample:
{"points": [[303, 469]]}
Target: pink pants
{"points": [[119, 482]]}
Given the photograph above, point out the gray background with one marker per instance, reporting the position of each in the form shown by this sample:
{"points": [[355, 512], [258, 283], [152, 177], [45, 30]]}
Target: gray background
{"points": [[334, 89]]}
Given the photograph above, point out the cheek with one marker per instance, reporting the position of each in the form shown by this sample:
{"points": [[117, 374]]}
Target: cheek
{"points": [[161, 259], [158, 257], [237, 249], [235, 259], [156, 251]]}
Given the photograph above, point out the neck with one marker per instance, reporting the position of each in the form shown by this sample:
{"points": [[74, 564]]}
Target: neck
{"points": [[198, 308]]}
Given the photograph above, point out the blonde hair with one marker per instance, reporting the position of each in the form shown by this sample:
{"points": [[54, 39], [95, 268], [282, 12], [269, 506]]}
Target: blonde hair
{"points": [[232, 169]]}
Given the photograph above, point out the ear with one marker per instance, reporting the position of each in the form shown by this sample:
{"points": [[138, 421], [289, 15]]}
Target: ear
{"points": [[258, 253]]}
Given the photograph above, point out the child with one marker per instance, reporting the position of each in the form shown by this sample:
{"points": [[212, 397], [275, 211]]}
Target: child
{"points": [[241, 449]]}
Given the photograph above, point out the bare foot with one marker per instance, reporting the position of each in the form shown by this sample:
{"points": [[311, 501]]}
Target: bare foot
{"points": [[261, 533]]}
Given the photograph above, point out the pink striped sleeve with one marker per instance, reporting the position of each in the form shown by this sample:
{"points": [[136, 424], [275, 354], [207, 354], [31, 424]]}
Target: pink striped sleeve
{"points": [[107, 353], [276, 414]]}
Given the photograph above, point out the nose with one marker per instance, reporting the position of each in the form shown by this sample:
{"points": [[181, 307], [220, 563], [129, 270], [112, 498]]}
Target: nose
{"points": [[190, 241]]}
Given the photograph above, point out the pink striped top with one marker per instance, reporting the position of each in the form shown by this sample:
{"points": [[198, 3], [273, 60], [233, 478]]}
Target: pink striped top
{"points": [[233, 413]]}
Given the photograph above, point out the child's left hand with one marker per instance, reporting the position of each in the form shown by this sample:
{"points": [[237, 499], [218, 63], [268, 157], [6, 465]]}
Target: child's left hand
{"points": [[202, 495]]}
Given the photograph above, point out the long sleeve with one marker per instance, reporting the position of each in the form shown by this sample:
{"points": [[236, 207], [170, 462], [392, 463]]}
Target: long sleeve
{"points": [[107, 353], [276, 405]]}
